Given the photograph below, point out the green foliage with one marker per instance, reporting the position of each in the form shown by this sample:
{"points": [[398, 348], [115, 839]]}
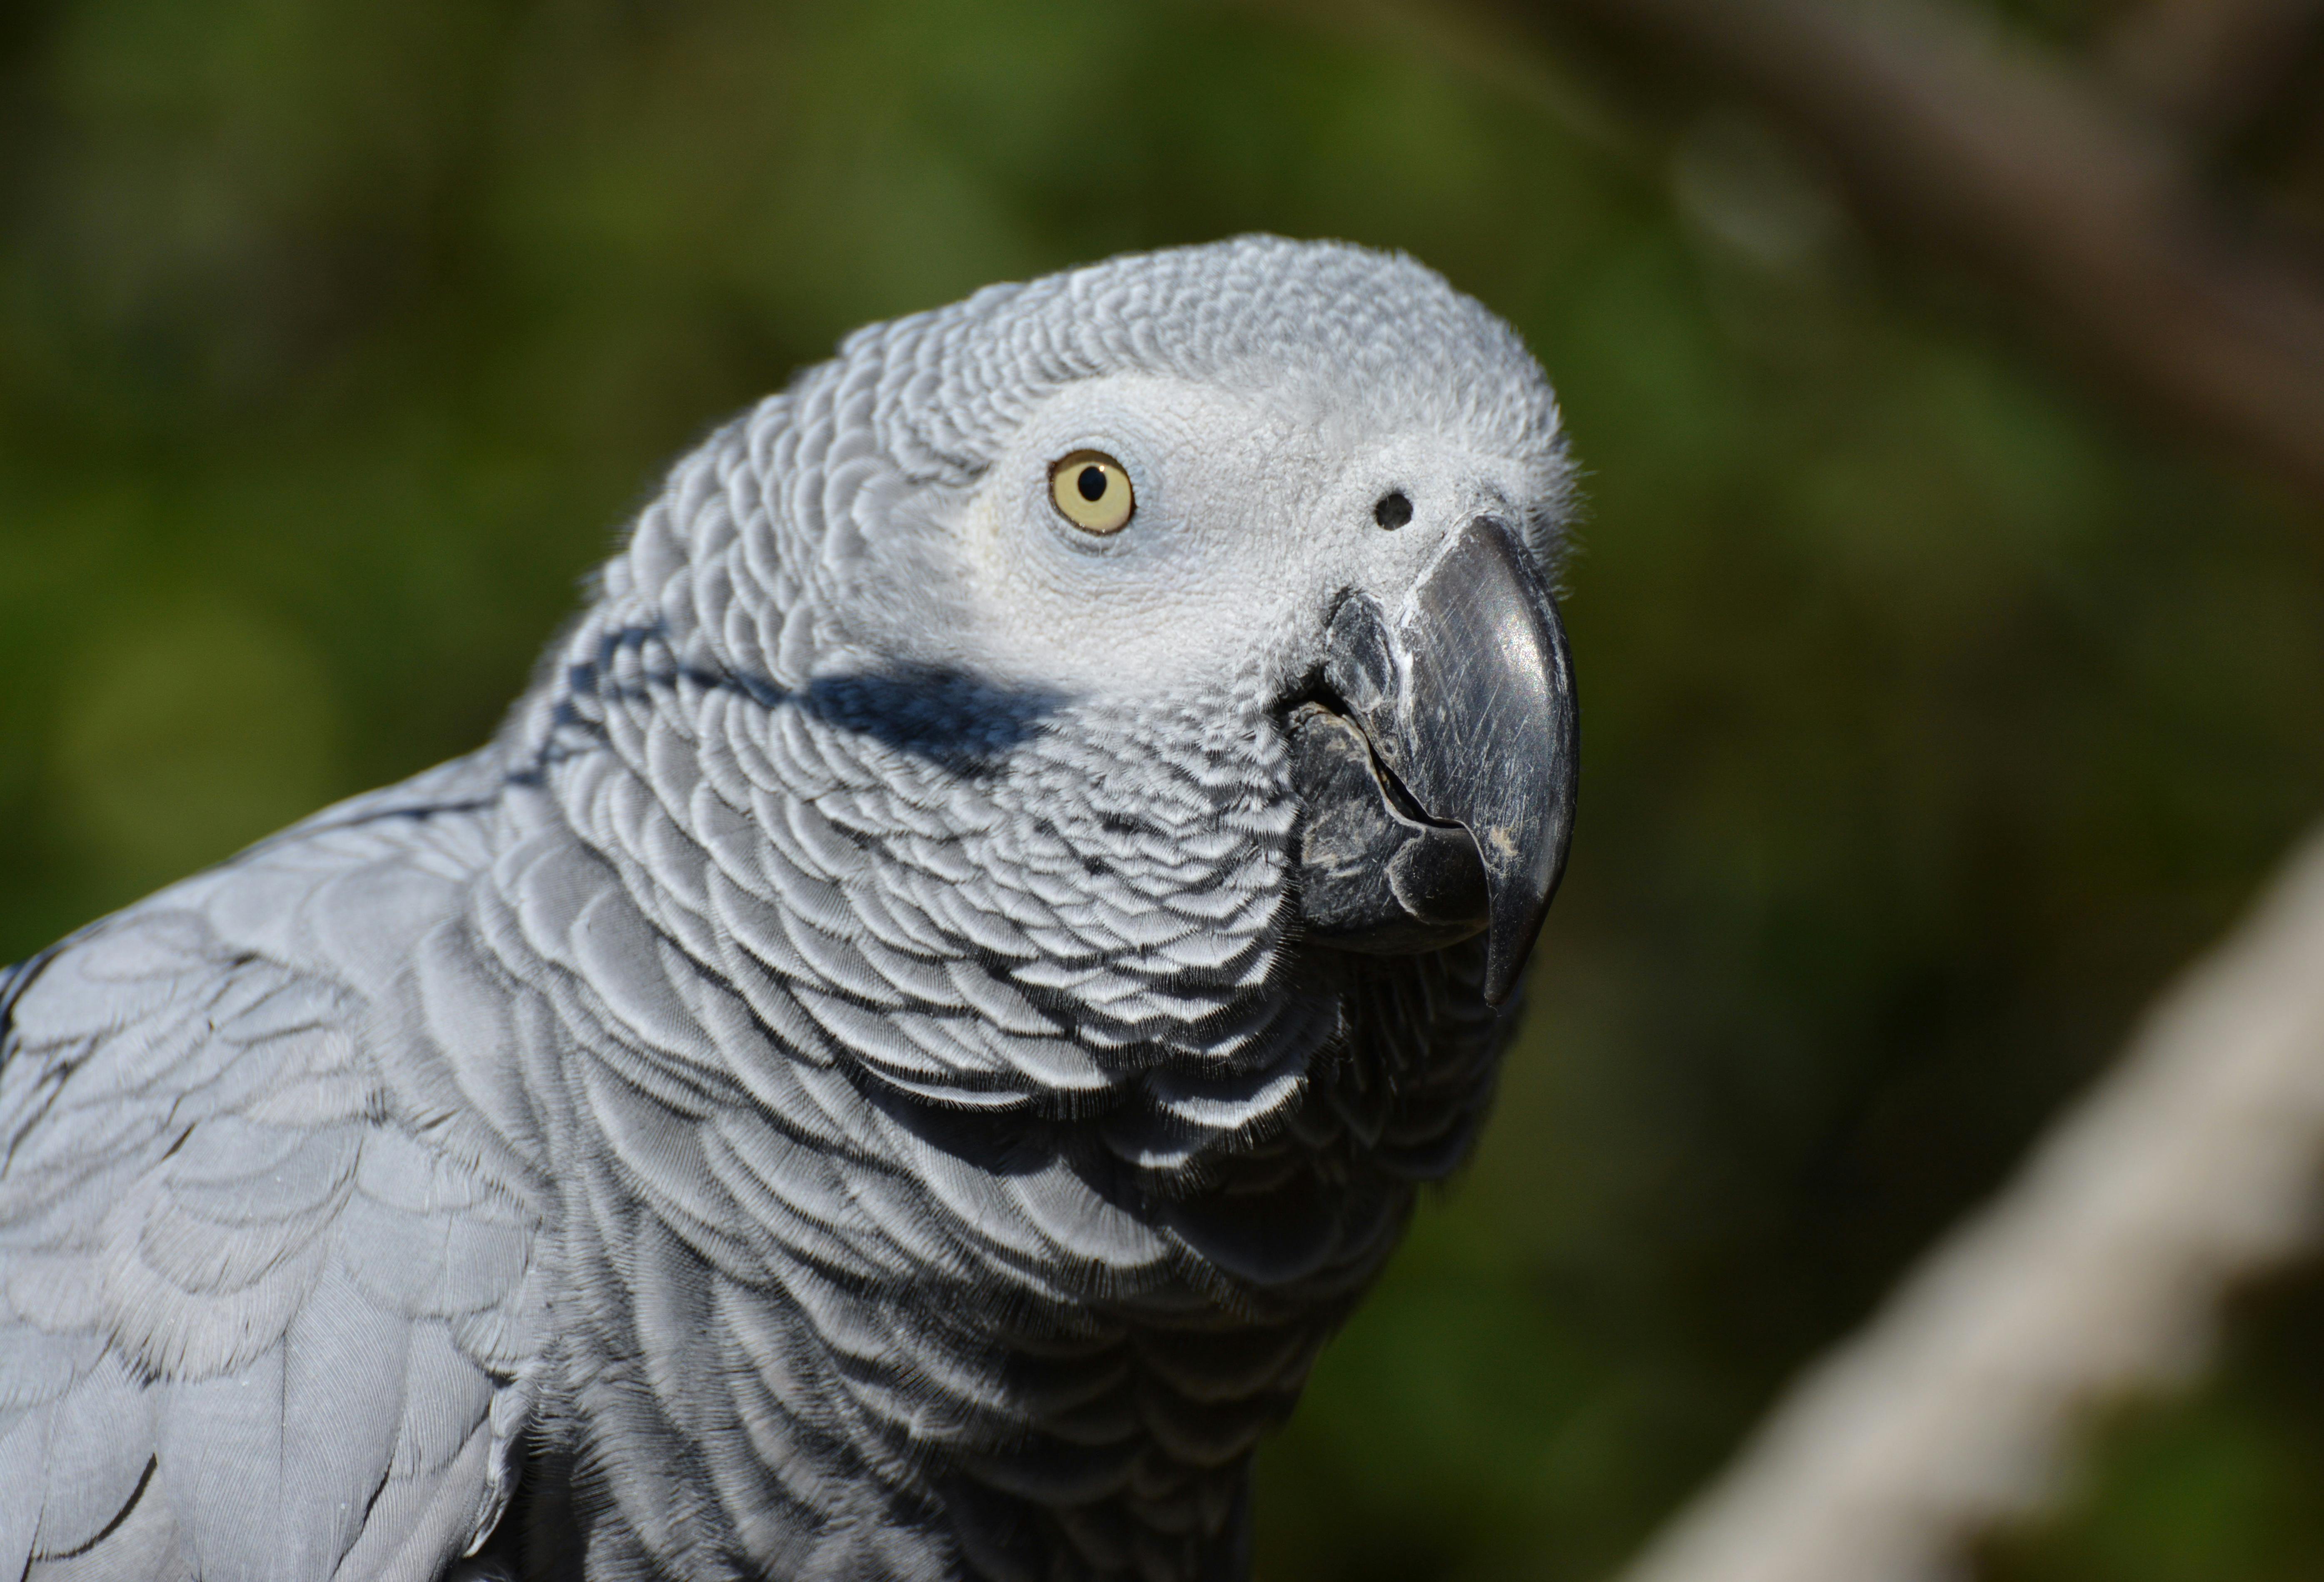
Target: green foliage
{"points": [[2224, 1486], [1931, 713]]}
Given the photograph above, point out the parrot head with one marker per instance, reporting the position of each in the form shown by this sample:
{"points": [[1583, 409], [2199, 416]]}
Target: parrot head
{"points": [[1304, 495], [1164, 643]]}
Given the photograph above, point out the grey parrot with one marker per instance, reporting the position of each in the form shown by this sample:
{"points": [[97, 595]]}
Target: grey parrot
{"points": [[936, 1004]]}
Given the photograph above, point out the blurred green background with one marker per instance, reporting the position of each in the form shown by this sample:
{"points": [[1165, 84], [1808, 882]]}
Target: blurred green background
{"points": [[1934, 710]]}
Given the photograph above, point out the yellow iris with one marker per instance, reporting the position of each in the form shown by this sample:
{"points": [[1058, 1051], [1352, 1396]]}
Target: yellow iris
{"points": [[1092, 490]]}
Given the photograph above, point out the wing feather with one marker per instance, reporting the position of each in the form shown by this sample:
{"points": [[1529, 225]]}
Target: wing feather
{"points": [[260, 1319]]}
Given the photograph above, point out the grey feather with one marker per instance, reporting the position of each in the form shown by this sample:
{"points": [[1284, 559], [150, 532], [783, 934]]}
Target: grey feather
{"points": [[838, 1088]]}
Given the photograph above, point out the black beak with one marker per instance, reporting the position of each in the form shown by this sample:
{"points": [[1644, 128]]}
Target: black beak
{"points": [[1439, 791]]}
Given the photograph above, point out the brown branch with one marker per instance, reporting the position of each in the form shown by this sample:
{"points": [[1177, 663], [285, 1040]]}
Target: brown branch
{"points": [[2210, 67], [1941, 130]]}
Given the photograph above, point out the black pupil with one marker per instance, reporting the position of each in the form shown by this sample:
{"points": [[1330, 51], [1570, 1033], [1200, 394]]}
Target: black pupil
{"points": [[1393, 509], [1091, 484]]}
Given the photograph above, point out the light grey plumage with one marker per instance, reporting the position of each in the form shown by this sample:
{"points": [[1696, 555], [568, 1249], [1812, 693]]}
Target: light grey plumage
{"points": [[839, 1088]]}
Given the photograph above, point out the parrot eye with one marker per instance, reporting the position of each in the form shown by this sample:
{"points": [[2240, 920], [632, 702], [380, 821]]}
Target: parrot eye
{"points": [[1093, 492]]}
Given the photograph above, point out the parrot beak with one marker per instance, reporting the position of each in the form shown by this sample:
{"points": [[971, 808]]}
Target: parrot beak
{"points": [[1439, 793]]}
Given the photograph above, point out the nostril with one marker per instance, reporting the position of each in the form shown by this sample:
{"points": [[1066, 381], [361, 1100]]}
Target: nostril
{"points": [[1393, 509]]}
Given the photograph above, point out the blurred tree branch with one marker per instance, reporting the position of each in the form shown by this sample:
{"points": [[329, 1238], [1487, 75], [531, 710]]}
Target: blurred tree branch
{"points": [[2045, 178], [2099, 1270], [2207, 68]]}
